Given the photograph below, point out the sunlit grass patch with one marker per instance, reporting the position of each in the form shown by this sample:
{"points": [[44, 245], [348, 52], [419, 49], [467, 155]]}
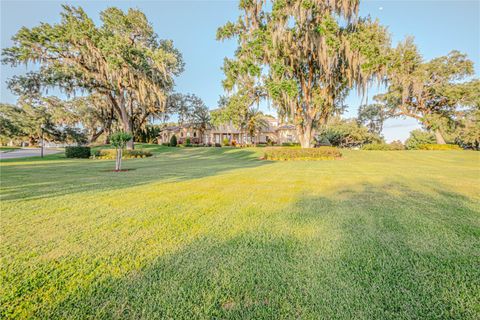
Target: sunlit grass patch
{"points": [[219, 233]]}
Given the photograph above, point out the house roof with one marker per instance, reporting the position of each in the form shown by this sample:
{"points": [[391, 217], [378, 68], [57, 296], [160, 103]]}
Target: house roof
{"points": [[286, 127], [170, 128]]}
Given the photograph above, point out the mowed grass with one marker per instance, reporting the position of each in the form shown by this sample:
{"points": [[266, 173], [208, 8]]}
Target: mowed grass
{"points": [[216, 233], [8, 149]]}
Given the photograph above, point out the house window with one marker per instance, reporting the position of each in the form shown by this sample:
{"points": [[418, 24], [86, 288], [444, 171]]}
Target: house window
{"points": [[195, 134], [188, 134], [289, 138], [181, 134]]}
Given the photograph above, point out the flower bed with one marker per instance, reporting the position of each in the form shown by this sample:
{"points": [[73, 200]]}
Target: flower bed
{"points": [[288, 153], [439, 147], [127, 154]]}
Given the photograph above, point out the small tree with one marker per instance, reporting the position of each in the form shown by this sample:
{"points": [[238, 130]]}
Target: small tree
{"points": [[173, 141], [419, 137], [119, 141]]}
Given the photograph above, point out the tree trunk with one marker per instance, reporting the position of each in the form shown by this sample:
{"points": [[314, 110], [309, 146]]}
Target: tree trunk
{"points": [[439, 137], [305, 134], [118, 160], [96, 135], [127, 125], [31, 141]]}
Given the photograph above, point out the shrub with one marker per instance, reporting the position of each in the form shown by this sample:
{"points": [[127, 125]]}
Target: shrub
{"points": [[321, 153], [218, 145], [397, 145], [384, 146], [127, 154], [188, 141], [347, 134], [226, 142], [439, 147], [323, 142], [77, 152], [290, 144], [419, 137], [166, 144], [173, 141]]}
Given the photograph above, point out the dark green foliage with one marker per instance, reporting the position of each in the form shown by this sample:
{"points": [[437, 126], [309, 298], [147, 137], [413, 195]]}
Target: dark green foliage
{"points": [[30, 120], [419, 137], [173, 141], [347, 134], [290, 144], [372, 116], [126, 154], [188, 141], [77, 152], [439, 147], [166, 144], [149, 134], [321, 153], [323, 142]]}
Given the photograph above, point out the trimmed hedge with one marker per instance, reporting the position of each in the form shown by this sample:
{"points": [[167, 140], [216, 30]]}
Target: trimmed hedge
{"points": [[110, 154], [286, 153], [439, 147], [383, 146], [77, 152], [290, 144], [173, 141]]}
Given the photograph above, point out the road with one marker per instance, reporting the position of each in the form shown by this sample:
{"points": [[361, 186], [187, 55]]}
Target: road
{"points": [[28, 152]]}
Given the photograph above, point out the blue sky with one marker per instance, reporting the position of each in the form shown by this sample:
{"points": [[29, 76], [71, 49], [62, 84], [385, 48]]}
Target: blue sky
{"points": [[437, 25]]}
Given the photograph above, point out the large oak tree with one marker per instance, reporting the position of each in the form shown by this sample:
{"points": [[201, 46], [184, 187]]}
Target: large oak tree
{"points": [[432, 92], [122, 59], [304, 56]]}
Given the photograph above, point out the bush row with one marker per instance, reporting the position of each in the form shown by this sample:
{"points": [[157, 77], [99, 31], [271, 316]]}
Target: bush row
{"points": [[77, 152], [321, 153], [127, 154]]}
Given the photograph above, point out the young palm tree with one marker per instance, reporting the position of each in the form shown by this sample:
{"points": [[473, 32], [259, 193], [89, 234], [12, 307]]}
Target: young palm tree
{"points": [[255, 122]]}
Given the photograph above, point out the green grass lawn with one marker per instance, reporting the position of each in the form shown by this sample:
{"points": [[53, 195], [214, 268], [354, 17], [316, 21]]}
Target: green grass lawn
{"points": [[216, 233], [8, 149]]}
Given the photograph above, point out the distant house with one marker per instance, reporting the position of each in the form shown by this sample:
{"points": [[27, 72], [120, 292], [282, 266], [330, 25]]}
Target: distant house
{"points": [[275, 132]]}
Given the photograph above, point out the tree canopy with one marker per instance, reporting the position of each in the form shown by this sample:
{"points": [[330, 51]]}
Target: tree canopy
{"points": [[431, 92], [304, 56], [122, 59]]}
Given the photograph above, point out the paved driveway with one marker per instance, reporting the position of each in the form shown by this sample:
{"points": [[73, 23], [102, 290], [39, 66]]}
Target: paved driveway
{"points": [[30, 152]]}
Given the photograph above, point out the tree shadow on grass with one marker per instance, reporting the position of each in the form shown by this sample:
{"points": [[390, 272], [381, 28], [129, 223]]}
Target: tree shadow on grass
{"points": [[369, 251], [26, 180]]}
